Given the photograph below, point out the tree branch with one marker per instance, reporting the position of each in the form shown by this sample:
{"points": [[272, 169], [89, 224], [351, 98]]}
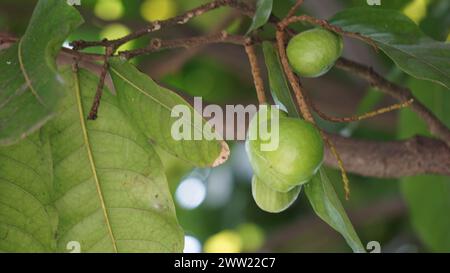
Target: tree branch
{"points": [[256, 72], [158, 44], [392, 159], [157, 25], [435, 126], [101, 83], [419, 155]]}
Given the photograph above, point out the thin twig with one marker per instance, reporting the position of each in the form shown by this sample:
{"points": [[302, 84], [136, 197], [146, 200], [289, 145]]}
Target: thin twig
{"points": [[256, 72], [8, 40], [173, 62], [336, 155], [101, 83], [158, 44], [275, 20], [294, 8], [371, 114], [157, 25], [436, 127], [299, 95]]}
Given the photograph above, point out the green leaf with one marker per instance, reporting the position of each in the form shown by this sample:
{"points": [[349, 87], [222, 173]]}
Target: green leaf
{"points": [[111, 192], [262, 14], [328, 207], [27, 219], [319, 190], [30, 86], [149, 106], [278, 83], [428, 197], [402, 40]]}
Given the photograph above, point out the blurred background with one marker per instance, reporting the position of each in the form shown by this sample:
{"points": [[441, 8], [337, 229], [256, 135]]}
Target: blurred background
{"points": [[215, 206]]}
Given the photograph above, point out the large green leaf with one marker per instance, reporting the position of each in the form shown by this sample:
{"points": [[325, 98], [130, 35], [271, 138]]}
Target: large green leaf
{"points": [[111, 192], [319, 190], [27, 219], [428, 197], [30, 86], [262, 14], [402, 40], [149, 106]]}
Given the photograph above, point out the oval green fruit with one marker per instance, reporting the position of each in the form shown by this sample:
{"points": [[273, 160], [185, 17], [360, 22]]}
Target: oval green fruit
{"points": [[270, 200], [295, 160], [313, 53]]}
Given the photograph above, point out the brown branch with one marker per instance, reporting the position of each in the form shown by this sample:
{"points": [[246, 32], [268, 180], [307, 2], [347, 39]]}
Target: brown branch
{"points": [[174, 62], [158, 44], [101, 83], [339, 162], [368, 115], [256, 72], [294, 8], [295, 84], [436, 127], [392, 159], [6, 41], [157, 25]]}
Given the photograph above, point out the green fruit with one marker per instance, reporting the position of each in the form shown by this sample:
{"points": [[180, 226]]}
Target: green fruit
{"points": [[295, 160], [313, 53], [270, 200]]}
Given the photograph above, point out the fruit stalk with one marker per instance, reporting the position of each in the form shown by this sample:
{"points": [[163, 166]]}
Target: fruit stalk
{"points": [[256, 72]]}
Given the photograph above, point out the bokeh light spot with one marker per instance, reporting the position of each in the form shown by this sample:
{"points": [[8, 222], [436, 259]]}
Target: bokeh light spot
{"points": [[109, 9], [190, 193], [252, 237], [192, 245], [416, 10], [226, 241], [152, 10], [115, 31]]}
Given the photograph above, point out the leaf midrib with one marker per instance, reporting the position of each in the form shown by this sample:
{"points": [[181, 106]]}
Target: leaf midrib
{"points": [[152, 97], [25, 74], [91, 160]]}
